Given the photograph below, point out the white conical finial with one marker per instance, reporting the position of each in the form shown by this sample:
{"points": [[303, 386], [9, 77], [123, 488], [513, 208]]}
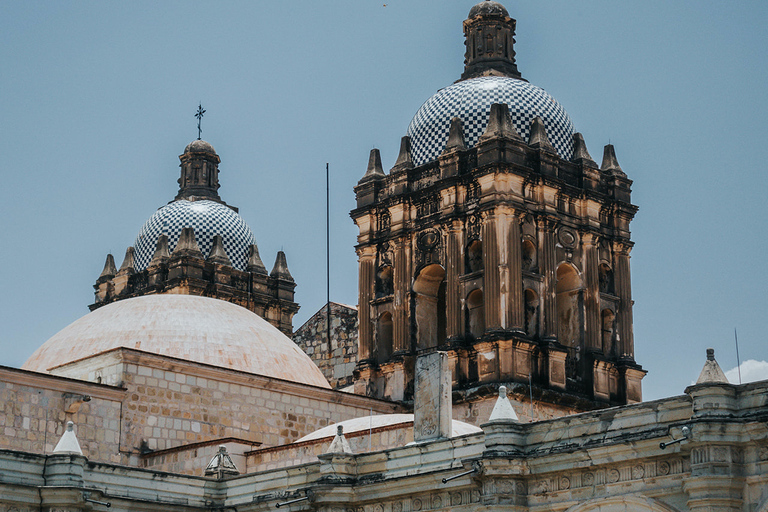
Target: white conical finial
{"points": [[68, 443], [340, 443], [503, 409], [712, 373]]}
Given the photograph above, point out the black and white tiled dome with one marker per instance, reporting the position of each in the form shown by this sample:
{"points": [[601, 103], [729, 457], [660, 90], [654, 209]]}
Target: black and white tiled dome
{"points": [[207, 218], [471, 101]]}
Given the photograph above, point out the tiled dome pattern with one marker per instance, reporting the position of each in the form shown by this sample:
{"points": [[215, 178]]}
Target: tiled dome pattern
{"points": [[207, 218], [471, 101]]}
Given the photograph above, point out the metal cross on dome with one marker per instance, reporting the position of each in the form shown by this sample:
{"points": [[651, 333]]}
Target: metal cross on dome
{"points": [[199, 116]]}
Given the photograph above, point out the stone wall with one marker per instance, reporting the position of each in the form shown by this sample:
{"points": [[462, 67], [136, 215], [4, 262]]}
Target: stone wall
{"points": [[338, 363], [35, 409]]}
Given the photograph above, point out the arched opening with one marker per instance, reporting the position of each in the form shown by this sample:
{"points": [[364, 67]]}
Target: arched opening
{"points": [[529, 256], [429, 307], [606, 278], [474, 257], [475, 313], [569, 310], [384, 282], [607, 318], [531, 313], [384, 338]]}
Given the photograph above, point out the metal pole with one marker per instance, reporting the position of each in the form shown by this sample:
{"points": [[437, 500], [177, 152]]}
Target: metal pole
{"points": [[738, 362], [328, 258]]}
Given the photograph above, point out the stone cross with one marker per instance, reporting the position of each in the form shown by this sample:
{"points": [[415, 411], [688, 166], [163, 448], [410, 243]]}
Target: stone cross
{"points": [[199, 116]]}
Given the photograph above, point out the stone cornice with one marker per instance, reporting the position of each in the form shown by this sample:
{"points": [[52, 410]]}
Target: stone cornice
{"points": [[21, 377]]}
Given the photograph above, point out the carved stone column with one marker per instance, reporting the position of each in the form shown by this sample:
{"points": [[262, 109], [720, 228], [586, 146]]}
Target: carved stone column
{"points": [[367, 263], [549, 271], [516, 306], [492, 291], [454, 265], [626, 344], [592, 293], [401, 336]]}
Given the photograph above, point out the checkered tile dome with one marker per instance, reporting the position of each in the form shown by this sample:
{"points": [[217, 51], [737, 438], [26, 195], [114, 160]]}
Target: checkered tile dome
{"points": [[471, 101], [207, 218]]}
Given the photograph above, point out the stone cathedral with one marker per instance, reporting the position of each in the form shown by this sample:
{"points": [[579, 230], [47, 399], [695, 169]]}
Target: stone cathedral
{"points": [[498, 239], [488, 366]]}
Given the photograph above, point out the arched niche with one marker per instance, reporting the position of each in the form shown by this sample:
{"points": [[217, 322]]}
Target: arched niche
{"points": [[607, 323], [529, 262], [474, 257], [384, 281], [531, 312], [605, 276], [569, 299], [429, 306], [383, 349], [475, 313]]}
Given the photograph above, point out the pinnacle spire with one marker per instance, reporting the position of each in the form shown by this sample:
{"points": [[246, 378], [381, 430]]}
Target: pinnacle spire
{"points": [[503, 409], [500, 124], [280, 269], [161, 254], [580, 153], [455, 137], [218, 254], [609, 161], [404, 158], [187, 245], [68, 444], [255, 264], [129, 264], [538, 137], [339, 443], [375, 171], [109, 268], [712, 373]]}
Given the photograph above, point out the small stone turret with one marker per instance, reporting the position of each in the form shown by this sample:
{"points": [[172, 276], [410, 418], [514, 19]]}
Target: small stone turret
{"points": [[199, 172], [490, 42]]}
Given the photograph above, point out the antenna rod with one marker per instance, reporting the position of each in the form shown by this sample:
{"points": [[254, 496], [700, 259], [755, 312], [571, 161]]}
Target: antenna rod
{"points": [[328, 257], [738, 362]]}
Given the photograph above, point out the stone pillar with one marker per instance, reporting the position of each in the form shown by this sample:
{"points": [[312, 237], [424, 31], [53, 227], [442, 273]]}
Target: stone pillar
{"points": [[432, 397], [592, 293], [492, 291], [549, 271], [454, 266], [367, 262], [516, 306], [626, 345], [401, 335]]}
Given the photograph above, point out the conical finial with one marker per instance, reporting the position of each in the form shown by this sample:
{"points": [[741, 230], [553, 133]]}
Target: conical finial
{"points": [[161, 251], [538, 137], [109, 268], [712, 373], [500, 124], [404, 158], [503, 409], [187, 245], [128, 266], [280, 270], [255, 264], [375, 170], [218, 254], [580, 153], [610, 163], [339, 443], [68, 443], [221, 465], [455, 137]]}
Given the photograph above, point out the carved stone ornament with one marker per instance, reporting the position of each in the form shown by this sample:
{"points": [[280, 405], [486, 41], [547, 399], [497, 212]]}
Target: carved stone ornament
{"points": [[588, 479], [638, 472], [473, 226], [613, 475], [428, 240], [567, 237], [565, 483], [663, 468], [416, 504]]}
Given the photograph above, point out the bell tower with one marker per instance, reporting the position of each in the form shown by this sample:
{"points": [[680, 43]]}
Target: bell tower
{"points": [[504, 251]]}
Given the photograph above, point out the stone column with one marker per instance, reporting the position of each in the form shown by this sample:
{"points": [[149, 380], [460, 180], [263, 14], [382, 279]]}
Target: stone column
{"points": [[592, 293], [492, 288], [516, 306], [432, 397], [626, 344], [401, 335], [549, 271], [454, 265], [367, 262]]}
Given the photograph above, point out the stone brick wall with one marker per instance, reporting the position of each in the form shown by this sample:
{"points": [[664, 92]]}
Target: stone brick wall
{"points": [[35, 409], [338, 363]]}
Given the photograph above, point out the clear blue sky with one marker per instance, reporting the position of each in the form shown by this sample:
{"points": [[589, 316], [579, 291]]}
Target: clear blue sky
{"points": [[98, 101]]}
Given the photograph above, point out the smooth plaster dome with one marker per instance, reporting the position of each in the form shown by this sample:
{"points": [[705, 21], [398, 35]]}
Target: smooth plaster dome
{"points": [[188, 327], [471, 101], [207, 218]]}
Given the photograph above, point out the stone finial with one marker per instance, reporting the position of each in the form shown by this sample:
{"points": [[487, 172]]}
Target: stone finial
{"points": [[187, 245], [580, 153], [375, 170], [404, 158], [255, 264], [280, 269], [109, 268], [455, 137], [162, 253], [610, 163], [500, 124], [503, 409], [218, 254], [129, 265], [68, 444], [712, 373], [339, 443], [538, 137], [221, 465]]}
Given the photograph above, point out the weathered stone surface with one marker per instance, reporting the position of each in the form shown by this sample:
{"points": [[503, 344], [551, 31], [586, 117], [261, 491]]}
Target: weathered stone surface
{"points": [[432, 397]]}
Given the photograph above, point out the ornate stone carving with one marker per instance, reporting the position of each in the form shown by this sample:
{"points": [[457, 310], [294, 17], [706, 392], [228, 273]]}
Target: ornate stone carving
{"points": [[565, 483], [662, 468], [416, 504], [638, 472], [588, 479], [613, 475], [567, 237]]}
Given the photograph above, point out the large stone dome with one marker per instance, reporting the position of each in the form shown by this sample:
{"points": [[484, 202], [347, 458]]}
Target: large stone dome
{"points": [[199, 329], [207, 218], [471, 100]]}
